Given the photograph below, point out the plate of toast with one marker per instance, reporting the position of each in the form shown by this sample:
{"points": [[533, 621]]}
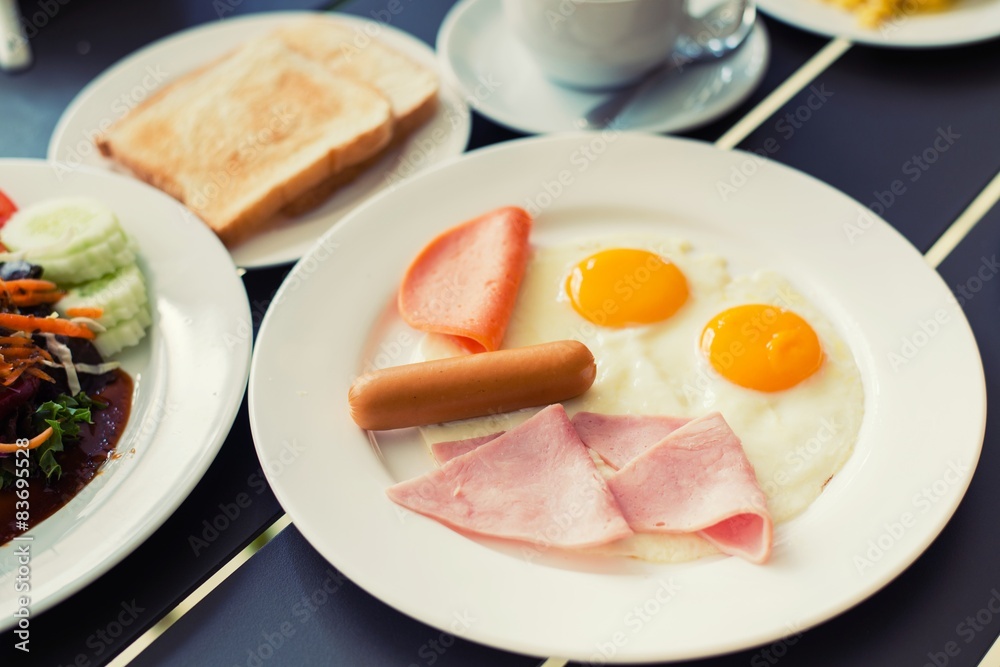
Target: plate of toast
{"points": [[269, 127]]}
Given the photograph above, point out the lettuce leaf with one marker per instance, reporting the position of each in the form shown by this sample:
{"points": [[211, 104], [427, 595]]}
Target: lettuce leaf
{"points": [[64, 415]]}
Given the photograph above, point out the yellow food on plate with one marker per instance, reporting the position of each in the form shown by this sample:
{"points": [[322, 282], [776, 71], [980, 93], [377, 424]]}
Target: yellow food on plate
{"points": [[776, 368], [873, 13], [763, 347], [605, 287]]}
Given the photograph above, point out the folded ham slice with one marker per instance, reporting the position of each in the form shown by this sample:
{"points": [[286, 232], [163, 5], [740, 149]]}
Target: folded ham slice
{"points": [[446, 451], [697, 479], [620, 438], [464, 283], [617, 438], [535, 483]]}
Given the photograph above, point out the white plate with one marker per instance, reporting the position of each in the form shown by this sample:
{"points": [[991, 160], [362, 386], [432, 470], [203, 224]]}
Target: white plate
{"points": [[501, 81], [922, 421], [109, 97], [189, 373], [968, 21]]}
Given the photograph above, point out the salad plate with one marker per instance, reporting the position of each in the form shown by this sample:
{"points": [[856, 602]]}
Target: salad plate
{"points": [[112, 94], [189, 376], [844, 547]]}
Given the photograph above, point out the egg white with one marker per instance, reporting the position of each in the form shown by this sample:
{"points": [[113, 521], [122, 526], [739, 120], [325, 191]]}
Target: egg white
{"points": [[796, 439]]}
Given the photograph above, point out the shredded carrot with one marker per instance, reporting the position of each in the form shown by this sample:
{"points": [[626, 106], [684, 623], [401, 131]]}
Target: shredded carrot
{"points": [[16, 340], [10, 352], [28, 292], [27, 285], [18, 352], [92, 313], [34, 442], [46, 324], [12, 378], [35, 298], [21, 354], [40, 374]]}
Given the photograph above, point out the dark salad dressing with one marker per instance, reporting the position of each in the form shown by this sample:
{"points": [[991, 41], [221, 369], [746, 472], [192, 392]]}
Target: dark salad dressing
{"points": [[81, 460]]}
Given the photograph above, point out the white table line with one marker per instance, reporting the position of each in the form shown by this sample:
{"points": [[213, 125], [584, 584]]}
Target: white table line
{"points": [[554, 662], [780, 96], [142, 642], [964, 223], [992, 657]]}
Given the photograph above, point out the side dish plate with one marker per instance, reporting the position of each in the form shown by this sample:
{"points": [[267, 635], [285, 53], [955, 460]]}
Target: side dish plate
{"points": [[189, 374], [335, 315]]}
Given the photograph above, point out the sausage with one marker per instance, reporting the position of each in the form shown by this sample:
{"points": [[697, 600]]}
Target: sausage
{"points": [[471, 386]]}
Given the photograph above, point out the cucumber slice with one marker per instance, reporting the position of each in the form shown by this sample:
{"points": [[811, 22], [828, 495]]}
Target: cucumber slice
{"points": [[60, 226], [87, 264], [113, 243], [120, 295], [124, 334]]}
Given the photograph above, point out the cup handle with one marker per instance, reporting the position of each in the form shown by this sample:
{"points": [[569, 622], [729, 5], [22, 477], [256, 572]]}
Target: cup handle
{"points": [[718, 32]]}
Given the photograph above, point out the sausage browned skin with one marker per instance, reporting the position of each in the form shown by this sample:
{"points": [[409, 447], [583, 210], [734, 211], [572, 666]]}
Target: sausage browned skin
{"points": [[471, 386]]}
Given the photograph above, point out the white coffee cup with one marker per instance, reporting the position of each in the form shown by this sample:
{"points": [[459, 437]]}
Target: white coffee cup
{"points": [[600, 44]]}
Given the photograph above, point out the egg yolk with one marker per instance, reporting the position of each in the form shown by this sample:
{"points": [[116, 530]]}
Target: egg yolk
{"points": [[762, 347], [625, 287]]}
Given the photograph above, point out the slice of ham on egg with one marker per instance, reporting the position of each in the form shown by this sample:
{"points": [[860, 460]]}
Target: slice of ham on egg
{"points": [[523, 485], [620, 438], [697, 479], [678, 477]]}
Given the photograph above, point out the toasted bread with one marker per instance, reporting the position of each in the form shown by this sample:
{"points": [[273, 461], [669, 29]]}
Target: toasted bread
{"points": [[350, 51], [241, 139], [410, 88], [318, 195]]}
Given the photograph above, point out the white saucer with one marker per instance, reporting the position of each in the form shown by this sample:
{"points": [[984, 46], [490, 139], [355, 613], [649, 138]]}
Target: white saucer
{"points": [[499, 79]]}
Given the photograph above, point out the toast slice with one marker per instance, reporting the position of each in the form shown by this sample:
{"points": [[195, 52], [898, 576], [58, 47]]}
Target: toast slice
{"points": [[239, 140], [349, 51], [410, 87], [318, 195]]}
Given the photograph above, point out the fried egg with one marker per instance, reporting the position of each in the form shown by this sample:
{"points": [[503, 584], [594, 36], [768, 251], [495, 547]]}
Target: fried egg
{"points": [[673, 332]]}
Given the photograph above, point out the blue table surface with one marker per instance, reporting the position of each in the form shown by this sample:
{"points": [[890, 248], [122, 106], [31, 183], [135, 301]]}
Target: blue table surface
{"points": [[287, 606]]}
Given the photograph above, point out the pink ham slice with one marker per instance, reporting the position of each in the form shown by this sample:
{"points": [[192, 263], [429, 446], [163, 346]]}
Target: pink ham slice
{"points": [[617, 438], [465, 282], [446, 451], [620, 438], [698, 479], [535, 483]]}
